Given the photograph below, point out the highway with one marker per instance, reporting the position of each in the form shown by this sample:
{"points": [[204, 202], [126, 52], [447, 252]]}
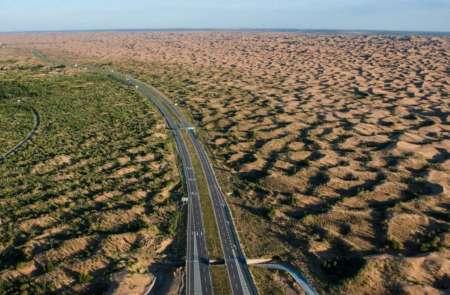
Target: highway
{"points": [[198, 276], [241, 280]]}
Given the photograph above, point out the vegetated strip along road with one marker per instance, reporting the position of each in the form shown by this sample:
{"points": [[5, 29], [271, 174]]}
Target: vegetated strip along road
{"points": [[241, 280], [198, 277], [239, 274], [36, 122], [297, 276]]}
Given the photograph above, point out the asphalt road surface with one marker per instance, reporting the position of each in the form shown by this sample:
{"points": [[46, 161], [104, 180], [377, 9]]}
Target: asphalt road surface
{"points": [[241, 280], [198, 276]]}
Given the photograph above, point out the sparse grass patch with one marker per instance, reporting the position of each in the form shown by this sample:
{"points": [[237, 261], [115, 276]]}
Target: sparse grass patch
{"points": [[221, 283], [264, 280], [377, 139]]}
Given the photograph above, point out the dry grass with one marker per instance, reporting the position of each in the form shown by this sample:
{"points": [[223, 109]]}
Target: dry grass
{"points": [[274, 282], [221, 283]]}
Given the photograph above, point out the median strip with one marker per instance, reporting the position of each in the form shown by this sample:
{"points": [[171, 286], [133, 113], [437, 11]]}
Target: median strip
{"points": [[212, 235]]}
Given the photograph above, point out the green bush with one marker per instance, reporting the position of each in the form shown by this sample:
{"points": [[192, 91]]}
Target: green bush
{"points": [[84, 278], [395, 245]]}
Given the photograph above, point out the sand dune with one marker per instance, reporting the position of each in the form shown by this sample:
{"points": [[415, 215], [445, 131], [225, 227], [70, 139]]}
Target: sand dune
{"points": [[344, 138]]}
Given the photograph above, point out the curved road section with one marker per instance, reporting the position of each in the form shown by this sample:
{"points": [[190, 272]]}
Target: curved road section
{"points": [[241, 280], [297, 276], [198, 276], [27, 138]]}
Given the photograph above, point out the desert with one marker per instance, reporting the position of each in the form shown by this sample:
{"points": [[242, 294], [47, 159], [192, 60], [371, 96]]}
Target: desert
{"points": [[332, 149]]}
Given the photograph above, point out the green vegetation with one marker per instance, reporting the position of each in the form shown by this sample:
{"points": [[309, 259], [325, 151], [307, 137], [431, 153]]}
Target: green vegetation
{"points": [[395, 244], [432, 240], [12, 88], [432, 245], [299, 180], [342, 263], [16, 122], [95, 191], [175, 221], [84, 277]]}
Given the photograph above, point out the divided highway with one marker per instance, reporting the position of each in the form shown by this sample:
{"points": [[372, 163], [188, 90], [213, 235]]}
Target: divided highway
{"points": [[197, 276], [241, 280]]}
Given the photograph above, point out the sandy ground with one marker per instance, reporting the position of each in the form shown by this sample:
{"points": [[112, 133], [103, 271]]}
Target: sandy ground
{"points": [[336, 147]]}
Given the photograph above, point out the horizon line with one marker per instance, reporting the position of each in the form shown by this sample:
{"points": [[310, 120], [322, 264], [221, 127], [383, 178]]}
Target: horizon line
{"points": [[243, 29]]}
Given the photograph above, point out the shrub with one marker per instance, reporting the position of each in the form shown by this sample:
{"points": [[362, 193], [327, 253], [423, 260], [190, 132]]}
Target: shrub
{"points": [[431, 245], [49, 266], [270, 213], [175, 220], [349, 176], [395, 244], [84, 277]]}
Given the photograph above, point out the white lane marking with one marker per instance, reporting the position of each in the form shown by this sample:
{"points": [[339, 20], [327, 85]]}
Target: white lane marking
{"points": [[197, 275], [245, 289]]}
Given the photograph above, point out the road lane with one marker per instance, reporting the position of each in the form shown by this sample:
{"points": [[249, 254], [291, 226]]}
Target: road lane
{"points": [[198, 276], [241, 280], [239, 274]]}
